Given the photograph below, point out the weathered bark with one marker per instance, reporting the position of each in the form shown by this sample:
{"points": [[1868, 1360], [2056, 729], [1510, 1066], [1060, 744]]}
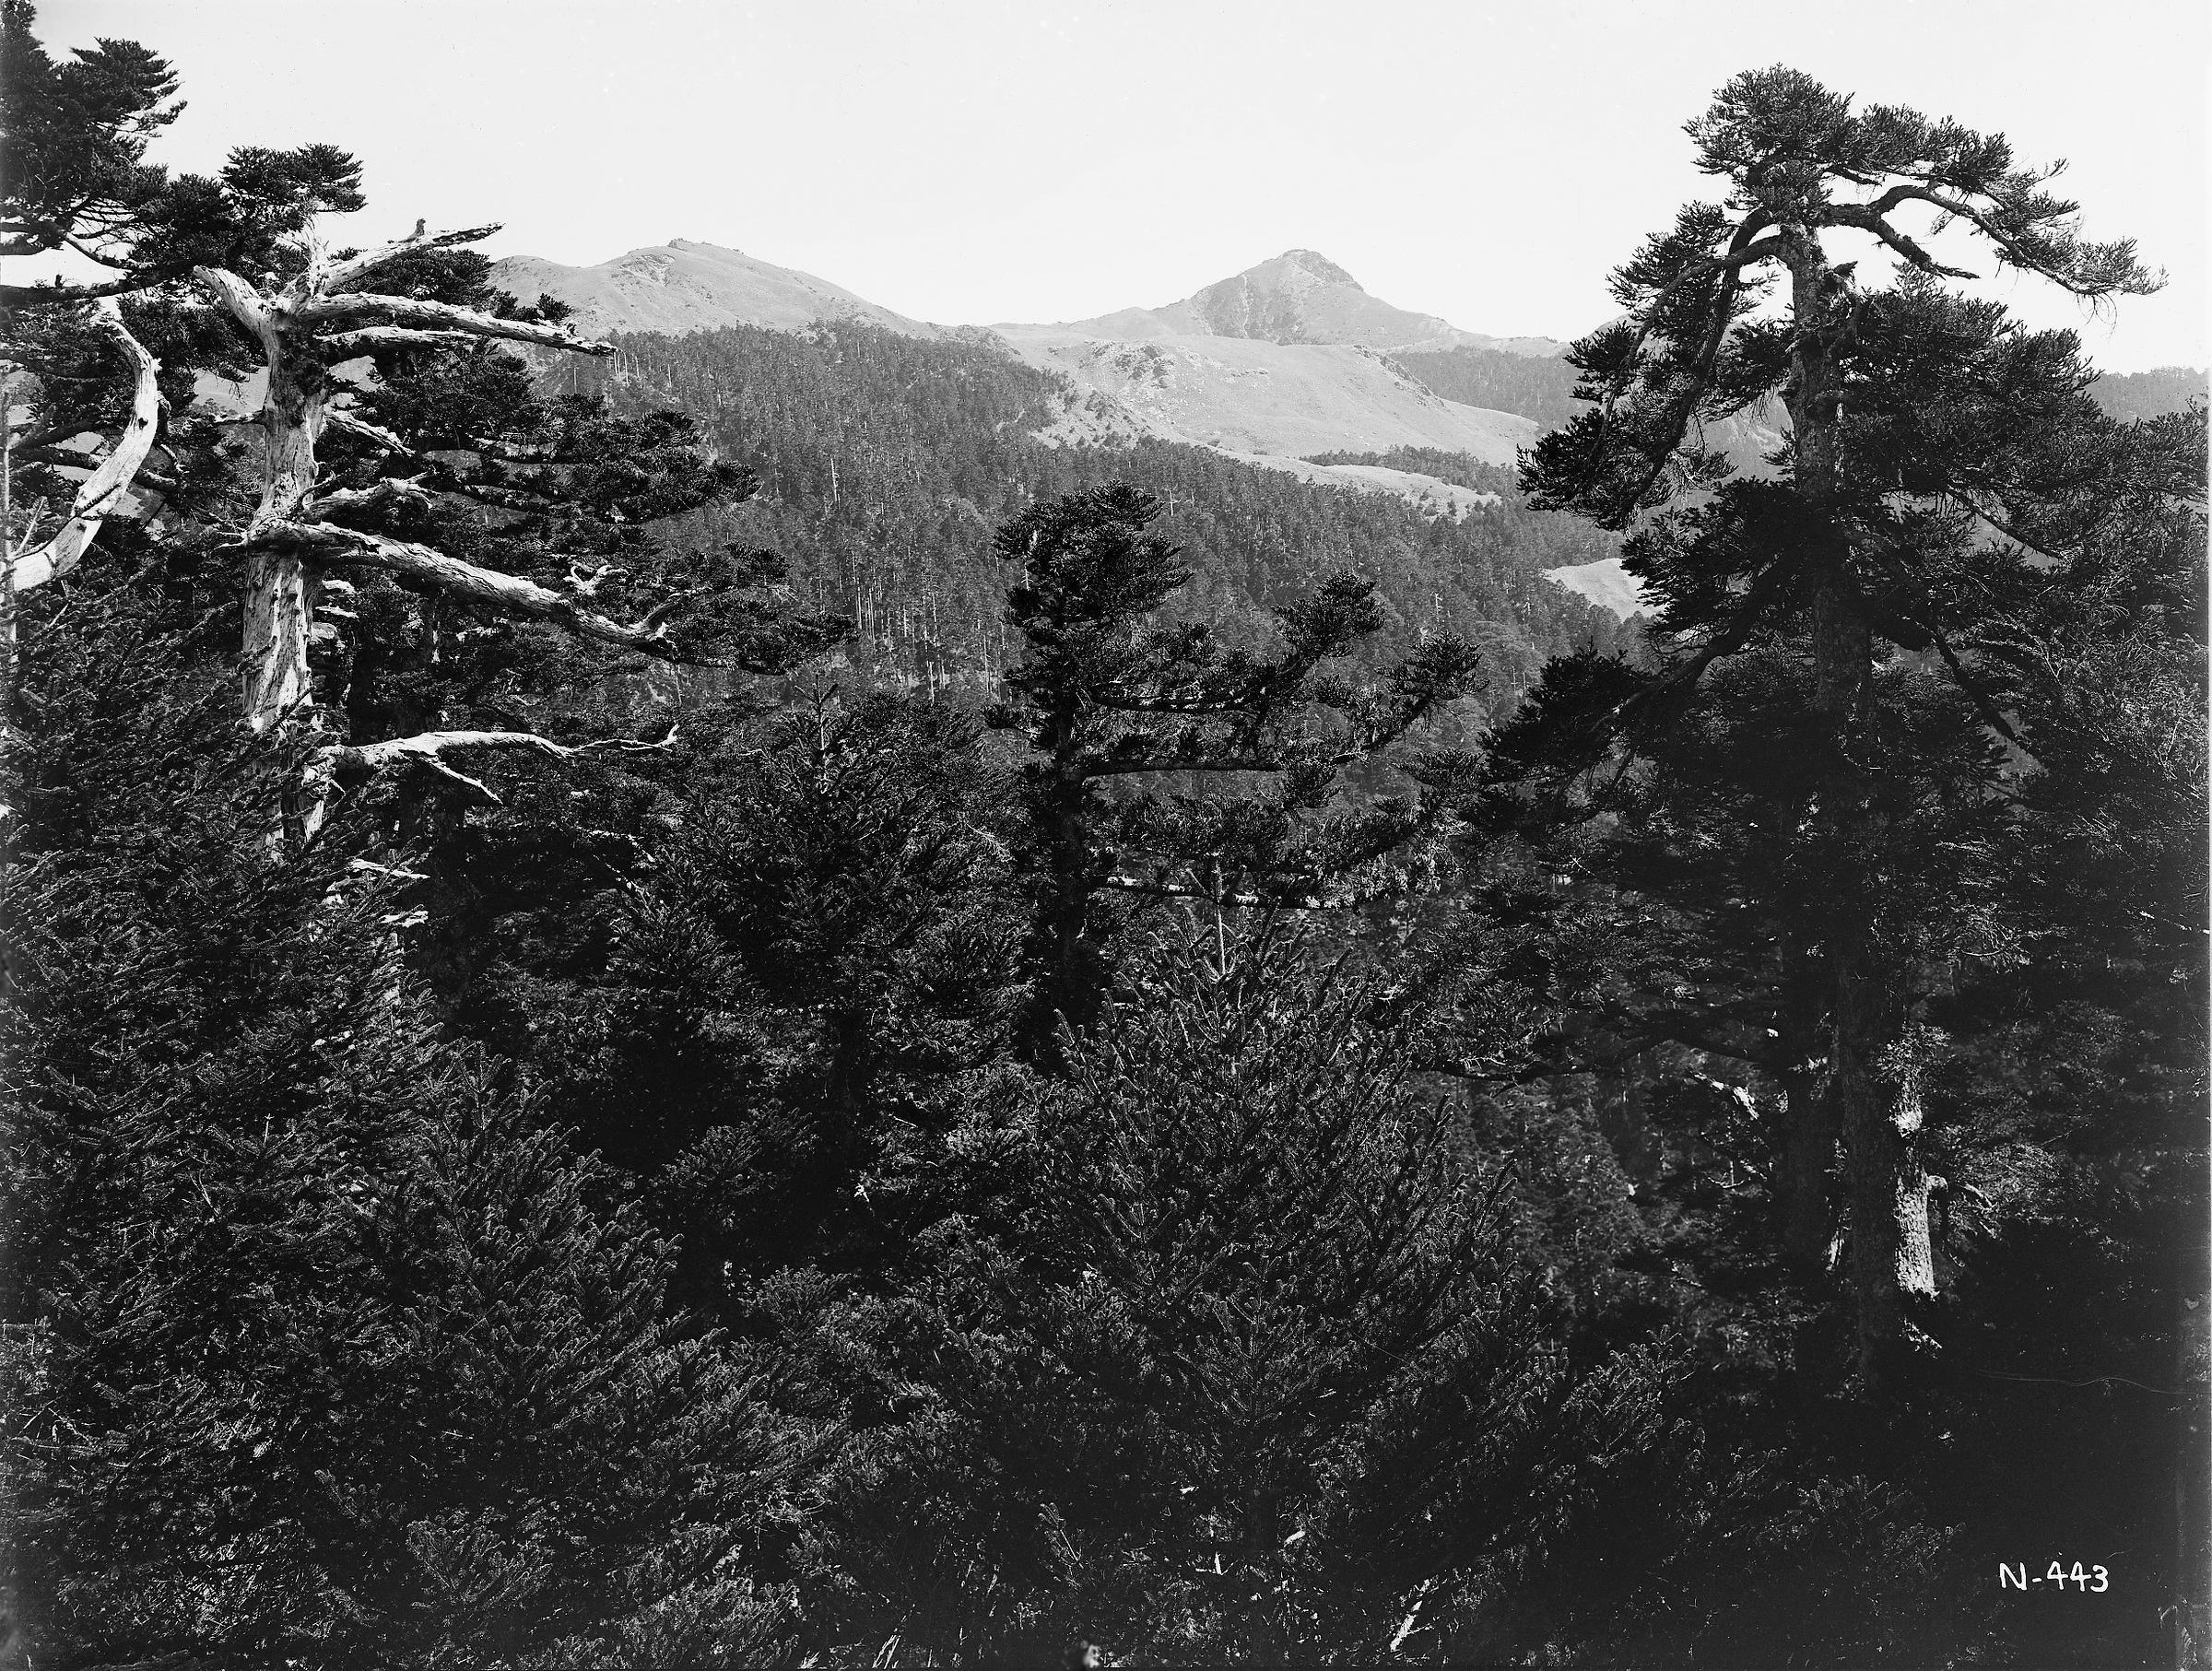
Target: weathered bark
{"points": [[99, 494], [1892, 1261], [281, 540], [511, 594], [279, 602]]}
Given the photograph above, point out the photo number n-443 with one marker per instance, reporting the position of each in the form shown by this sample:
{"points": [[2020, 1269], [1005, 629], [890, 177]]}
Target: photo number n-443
{"points": [[2090, 1578]]}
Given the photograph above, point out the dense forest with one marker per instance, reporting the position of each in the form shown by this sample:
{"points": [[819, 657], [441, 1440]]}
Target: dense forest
{"points": [[687, 1003], [884, 461]]}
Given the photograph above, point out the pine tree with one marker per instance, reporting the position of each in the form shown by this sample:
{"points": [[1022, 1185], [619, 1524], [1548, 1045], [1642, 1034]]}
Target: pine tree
{"points": [[320, 1342], [1110, 691], [808, 956], [1827, 544], [1222, 1347]]}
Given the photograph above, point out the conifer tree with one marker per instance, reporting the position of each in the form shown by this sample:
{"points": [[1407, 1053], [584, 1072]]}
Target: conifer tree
{"points": [[1110, 691], [805, 966], [1223, 1348], [319, 1342], [1859, 546]]}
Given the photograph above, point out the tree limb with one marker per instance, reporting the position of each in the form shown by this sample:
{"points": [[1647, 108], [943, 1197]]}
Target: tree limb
{"points": [[1870, 221], [342, 272], [239, 298], [335, 310], [97, 494], [34, 295], [1990, 716], [369, 338], [428, 749], [509, 593], [390, 490], [339, 418], [1726, 640]]}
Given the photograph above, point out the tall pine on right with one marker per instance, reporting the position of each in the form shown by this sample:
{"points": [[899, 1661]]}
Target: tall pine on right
{"points": [[1931, 451]]}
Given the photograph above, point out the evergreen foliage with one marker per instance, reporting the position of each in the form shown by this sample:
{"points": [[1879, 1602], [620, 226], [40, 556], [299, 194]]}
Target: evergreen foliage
{"points": [[843, 1136], [885, 463], [1106, 694], [320, 1343]]}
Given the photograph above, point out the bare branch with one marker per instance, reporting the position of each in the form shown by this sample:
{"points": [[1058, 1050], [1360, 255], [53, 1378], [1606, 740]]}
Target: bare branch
{"points": [[1176, 890], [238, 297], [98, 493], [387, 492], [428, 748], [369, 338], [339, 418], [342, 272], [509, 594], [336, 310]]}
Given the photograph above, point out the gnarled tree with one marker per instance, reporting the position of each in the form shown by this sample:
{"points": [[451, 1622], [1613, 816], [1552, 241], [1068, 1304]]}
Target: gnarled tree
{"points": [[1855, 547]]}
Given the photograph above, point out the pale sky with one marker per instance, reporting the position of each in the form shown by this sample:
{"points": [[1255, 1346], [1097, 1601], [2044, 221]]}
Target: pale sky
{"points": [[976, 161]]}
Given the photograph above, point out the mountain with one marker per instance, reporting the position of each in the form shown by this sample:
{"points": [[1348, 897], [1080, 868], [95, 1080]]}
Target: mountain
{"points": [[1281, 360], [885, 461], [1301, 296], [1287, 360], [681, 286], [1258, 398]]}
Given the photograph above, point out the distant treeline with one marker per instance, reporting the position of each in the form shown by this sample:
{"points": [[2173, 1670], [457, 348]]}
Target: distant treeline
{"points": [[2149, 393], [1540, 387]]}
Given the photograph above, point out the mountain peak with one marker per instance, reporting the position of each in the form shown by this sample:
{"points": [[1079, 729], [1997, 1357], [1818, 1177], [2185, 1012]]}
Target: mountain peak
{"points": [[1298, 296], [1313, 262], [685, 285]]}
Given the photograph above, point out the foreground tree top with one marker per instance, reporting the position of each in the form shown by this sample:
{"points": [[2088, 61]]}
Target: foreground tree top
{"points": [[1799, 162]]}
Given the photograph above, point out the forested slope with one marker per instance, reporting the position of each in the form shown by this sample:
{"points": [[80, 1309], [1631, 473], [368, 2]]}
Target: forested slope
{"points": [[810, 1031], [885, 461]]}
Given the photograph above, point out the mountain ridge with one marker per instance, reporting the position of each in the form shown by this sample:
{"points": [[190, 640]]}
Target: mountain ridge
{"points": [[1298, 297], [1283, 359], [684, 286]]}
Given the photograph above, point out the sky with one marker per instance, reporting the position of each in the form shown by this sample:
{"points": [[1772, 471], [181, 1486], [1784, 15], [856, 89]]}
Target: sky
{"points": [[976, 161]]}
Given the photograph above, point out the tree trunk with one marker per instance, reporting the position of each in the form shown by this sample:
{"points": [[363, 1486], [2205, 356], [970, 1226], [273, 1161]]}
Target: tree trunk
{"points": [[1066, 833], [1875, 1070], [279, 603], [1808, 1157], [1892, 1260]]}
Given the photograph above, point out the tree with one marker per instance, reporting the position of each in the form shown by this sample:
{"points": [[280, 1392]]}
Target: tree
{"points": [[1859, 555], [1109, 691], [804, 967], [303, 308], [1224, 1346], [318, 1340]]}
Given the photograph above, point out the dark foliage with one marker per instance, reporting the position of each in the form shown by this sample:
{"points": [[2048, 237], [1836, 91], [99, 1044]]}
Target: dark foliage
{"points": [[995, 1099]]}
